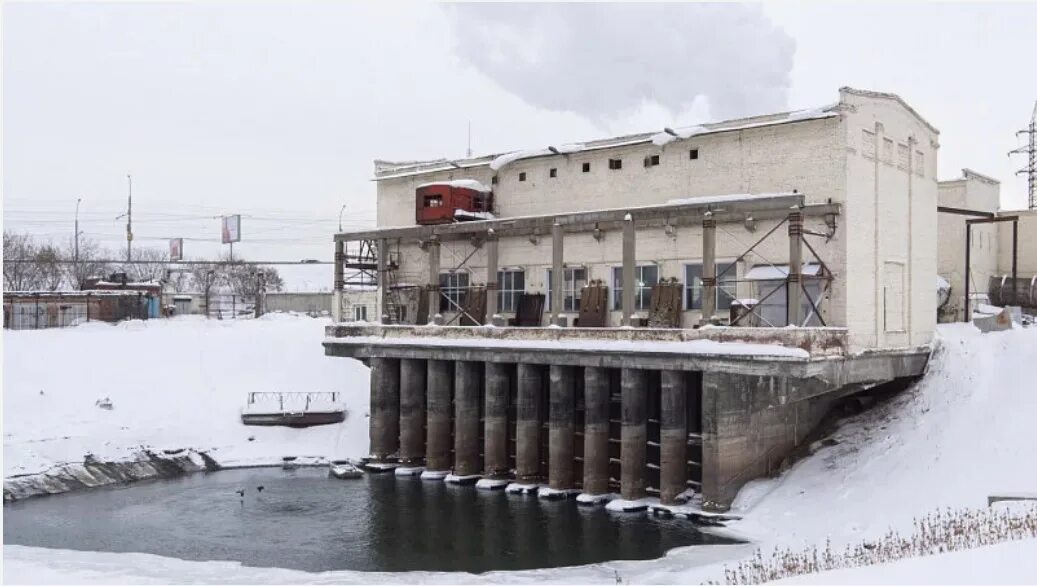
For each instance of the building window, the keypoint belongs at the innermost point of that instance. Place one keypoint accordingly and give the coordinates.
(887, 150)
(510, 285)
(868, 143)
(553, 173)
(920, 163)
(433, 201)
(615, 164)
(493, 180)
(586, 167)
(651, 160)
(727, 284)
(572, 288)
(522, 176)
(452, 287)
(359, 313)
(646, 275)
(902, 154)
(693, 154)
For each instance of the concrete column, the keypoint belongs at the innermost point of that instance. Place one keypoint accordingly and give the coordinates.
(795, 289)
(412, 412)
(557, 273)
(595, 431)
(709, 267)
(440, 390)
(385, 408)
(495, 434)
(561, 428)
(383, 270)
(491, 277)
(629, 264)
(432, 286)
(673, 436)
(466, 418)
(527, 429)
(339, 284)
(634, 435)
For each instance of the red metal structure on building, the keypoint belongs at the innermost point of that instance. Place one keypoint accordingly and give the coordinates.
(452, 201)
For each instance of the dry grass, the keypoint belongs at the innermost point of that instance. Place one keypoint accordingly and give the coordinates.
(939, 532)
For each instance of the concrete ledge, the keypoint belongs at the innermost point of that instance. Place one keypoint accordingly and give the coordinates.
(520, 488)
(409, 470)
(466, 480)
(434, 474)
(491, 483)
(815, 342)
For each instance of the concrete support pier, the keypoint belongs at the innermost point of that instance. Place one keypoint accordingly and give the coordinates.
(595, 435)
(385, 410)
(527, 428)
(495, 433)
(467, 380)
(673, 437)
(561, 432)
(412, 414)
(440, 382)
(634, 435)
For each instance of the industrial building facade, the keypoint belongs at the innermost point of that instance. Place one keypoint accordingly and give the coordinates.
(865, 168)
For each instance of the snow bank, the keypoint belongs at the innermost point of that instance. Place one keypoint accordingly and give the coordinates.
(466, 183)
(174, 384)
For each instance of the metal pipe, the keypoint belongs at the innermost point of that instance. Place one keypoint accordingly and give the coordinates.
(968, 254)
(795, 286)
(491, 277)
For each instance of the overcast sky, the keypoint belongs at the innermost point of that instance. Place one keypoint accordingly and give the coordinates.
(277, 110)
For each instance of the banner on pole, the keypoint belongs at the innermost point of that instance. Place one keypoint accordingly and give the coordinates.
(231, 229)
(176, 249)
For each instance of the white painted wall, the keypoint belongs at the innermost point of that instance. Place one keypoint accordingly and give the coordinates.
(883, 252)
(975, 192)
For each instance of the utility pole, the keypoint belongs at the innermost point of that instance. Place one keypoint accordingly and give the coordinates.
(77, 273)
(129, 221)
(340, 217)
(1030, 150)
(468, 153)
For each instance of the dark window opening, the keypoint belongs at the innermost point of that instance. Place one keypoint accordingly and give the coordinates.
(615, 164)
(553, 172)
(693, 154)
(493, 180)
(586, 167)
(433, 201)
(651, 161)
(522, 176)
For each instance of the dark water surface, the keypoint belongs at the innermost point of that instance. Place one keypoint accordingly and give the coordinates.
(304, 520)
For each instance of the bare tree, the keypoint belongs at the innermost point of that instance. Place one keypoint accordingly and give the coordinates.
(90, 262)
(50, 272)
(146, 271)
(249, 280)
(205, 277)
(19, 276)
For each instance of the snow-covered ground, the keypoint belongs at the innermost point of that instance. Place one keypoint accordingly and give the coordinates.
(173, 384)
(965, 432)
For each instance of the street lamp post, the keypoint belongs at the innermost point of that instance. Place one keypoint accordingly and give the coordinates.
(340, 217)
(76, 253)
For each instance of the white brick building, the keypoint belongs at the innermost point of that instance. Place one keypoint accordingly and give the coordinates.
(870, 155)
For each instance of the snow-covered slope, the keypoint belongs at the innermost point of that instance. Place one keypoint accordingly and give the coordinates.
(966, 431)
(173, 384)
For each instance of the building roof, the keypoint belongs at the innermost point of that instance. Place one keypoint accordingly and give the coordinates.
(392, 170)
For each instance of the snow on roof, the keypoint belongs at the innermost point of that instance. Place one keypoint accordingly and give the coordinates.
(466, 183)
(777, 272)
(459, 213)
(506, 158)
(389, 170)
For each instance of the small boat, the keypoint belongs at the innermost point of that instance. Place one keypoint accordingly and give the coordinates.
(344, 469)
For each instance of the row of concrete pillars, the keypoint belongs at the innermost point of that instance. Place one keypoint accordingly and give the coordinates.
(485, 419)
